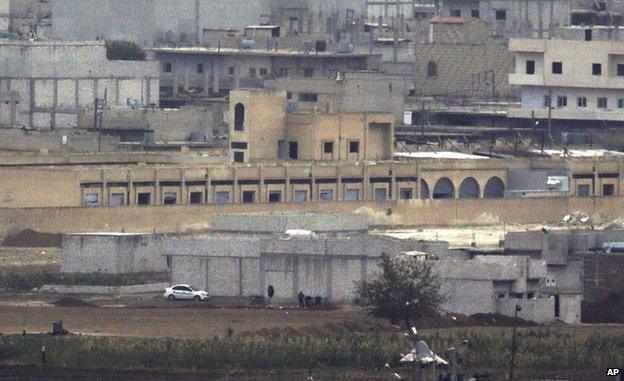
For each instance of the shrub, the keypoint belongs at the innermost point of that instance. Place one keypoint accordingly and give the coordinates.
(124, 50)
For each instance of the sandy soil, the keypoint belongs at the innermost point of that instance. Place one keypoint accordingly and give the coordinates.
(29, 259)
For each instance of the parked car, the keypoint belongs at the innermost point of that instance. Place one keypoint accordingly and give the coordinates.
(185, 291)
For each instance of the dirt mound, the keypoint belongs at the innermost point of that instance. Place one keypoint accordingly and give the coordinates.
(72, 302)
(32, 238)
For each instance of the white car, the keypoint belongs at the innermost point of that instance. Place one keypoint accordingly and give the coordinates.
(185, 291)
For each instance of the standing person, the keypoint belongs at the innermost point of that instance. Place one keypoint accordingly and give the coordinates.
(270, 293)
(301, 298)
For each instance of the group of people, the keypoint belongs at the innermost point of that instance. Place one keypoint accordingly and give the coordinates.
(305, 301)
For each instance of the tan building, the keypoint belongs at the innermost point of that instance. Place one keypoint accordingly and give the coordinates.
(571, 80)
(261, 128)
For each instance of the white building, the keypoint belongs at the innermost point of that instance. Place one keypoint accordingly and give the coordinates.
(570, 80)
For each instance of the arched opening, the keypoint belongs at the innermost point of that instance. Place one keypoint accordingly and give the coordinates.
(432, 69)
(239, 117)
(424, 190)
(444, 189)
(494, 188)
(469, 188)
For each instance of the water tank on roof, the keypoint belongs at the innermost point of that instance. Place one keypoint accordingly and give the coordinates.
(248, 43)
(197, 137)
(344, 47)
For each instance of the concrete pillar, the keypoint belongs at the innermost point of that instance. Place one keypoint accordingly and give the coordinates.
(207, 71)
(237, 73)
(551, 25)
(175, 78)
(215, 77)
(54, 103)
(540, 21)
(186, 83)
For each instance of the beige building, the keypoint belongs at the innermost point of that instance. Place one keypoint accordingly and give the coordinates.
(261, 128)
(572, 80)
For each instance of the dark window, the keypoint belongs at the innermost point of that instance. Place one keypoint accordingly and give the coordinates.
(326, 195)
(263, 71)
(581, 102)
(293, 150)
(530, 67)
(620, 103)
(455, 12)
(144, 198)
(223, 197)
(238, 145)
(474, 13)
(501, 14)
(620, 70)
(562, 101)
(354, 147)
(596, 69)
(118, 199)
(197, 197)
(546, 101)
(380, 194)
(406, 194)
(588, 34)
(288, 95)
(239, 117)
(200, 68)
(249, 196)
(308, 72)
(328, 147)
(275, 196)
(168, 67)
(170, 198)
(432, 69)
(557, 68)
(282, 72)
(239, 157)
(608, 190)
(602, 102)
(92, 199)
(582, 190)
(308, 97)
(252, 71)
(231, 70)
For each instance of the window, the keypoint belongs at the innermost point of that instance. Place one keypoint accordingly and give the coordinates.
(352, 195)
(596, 69)
(620, 70)
(239, 157)
(455, 12)
(328, 147)
(223, 198)
(293, 150)
(263, 71)
(546, 101)
(608, 189)
(252, 71)
(432, 69)
(300, 196)
(380, 194)
(168, 67)
(308, 72)
(406, 194)
(282, 72)
(562, 101)
(474, 13)
(238, 145)
(196, 197)
(308, 97)
(249, 197)
(581, 102)
(326, 195)
(557, 68)
(231, 70)
(530, 67)
(620, 103)
(288, 95)
(582, 190)
(501, 14)
(92, 199)
(117, 199)
(354, 146)
(239, 117)
(588, 34)
(200, 68)
(170, 198)
(602, 102)
(275, 196)
(144, 198)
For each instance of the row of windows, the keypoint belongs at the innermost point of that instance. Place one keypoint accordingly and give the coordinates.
(308, 72)
(247, 196)
(557, 68)
(584, 190)
(293, 149)
(500, 14)
(581, 102)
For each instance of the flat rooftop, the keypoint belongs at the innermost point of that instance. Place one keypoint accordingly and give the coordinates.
(202, 50)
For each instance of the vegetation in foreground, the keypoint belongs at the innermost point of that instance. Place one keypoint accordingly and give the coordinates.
(540, 350)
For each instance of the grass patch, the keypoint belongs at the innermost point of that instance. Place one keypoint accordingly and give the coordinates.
(14, 281)
(540, 350)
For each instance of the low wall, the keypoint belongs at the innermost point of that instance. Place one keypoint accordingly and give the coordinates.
(134, 289)
(188, 218)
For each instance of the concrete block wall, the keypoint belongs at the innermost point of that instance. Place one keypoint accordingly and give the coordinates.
(279, 223)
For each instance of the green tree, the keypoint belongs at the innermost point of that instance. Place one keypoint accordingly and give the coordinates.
(404, 289)
(124, 50)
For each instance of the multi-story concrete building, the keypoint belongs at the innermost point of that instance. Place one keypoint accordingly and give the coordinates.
(51, 81)
(26, 17)
(569, 80)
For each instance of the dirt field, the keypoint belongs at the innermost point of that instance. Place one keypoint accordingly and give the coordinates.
(29, 259)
